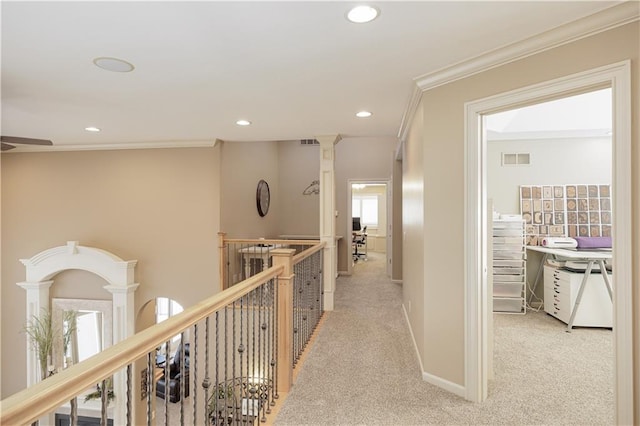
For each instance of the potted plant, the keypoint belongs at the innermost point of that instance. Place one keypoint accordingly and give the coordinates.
(97, 394)
(42, 334)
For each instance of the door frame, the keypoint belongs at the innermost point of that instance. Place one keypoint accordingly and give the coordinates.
(618, 77)
(389, 211)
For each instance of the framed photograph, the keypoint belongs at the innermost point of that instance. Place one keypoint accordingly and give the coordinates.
(583, 231)
(526, 206)
(593, 191)
(605, 191)
(547, 205)
(583, 217)
(594, 218)
(556, 230)
(583, 206)
(605, 204)
(605, 217)
(527, 217)
(547, 192)
(558, 192)
(544, 229)
(572, 192)
(548, 218)
(537, 218)
(582, 191)
(558, 204)
(595, 231)
(573, 231)
(537, 206)
(572, 205)
(525, 192)
(572, 218)
(606, 230)
(536, 192)
(594, 204)
(558, 218)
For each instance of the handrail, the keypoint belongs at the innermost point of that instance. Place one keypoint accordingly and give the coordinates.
(270, 241)
(308, 252)
(30, 404)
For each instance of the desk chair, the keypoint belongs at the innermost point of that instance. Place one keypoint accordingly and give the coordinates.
(360, 240)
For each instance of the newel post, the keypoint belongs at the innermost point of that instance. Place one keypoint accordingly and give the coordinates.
(285, 318)
(223, 260)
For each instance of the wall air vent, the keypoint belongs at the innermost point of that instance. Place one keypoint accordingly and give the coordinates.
(516, 159)
(307, 142)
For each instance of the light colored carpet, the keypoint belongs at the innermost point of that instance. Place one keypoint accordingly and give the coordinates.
(363, 370)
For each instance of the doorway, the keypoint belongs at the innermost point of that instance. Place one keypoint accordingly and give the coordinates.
(369, 222)
(616, 76)
(538, 158)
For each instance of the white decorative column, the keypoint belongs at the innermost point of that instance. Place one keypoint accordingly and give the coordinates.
(119, 275)
(37, 301)
(328, 214)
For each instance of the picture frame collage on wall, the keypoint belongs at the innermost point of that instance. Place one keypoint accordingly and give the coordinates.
(565, 210)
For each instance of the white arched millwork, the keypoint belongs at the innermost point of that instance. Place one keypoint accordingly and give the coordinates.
(118, 273)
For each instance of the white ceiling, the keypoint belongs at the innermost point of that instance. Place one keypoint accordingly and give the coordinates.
(585, 115)
(295, 69)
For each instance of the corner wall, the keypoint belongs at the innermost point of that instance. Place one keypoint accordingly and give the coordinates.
(159, 206)
(443, 166)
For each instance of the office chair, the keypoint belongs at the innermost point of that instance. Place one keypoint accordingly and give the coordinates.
(360, 240)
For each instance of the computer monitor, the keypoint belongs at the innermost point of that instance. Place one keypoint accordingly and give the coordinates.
(356, 224)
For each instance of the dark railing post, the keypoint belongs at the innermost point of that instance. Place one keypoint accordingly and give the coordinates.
(284, 257)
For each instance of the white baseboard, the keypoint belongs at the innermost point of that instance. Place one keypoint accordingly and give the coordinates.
(413, 339)
(454, 388)
(430, 378)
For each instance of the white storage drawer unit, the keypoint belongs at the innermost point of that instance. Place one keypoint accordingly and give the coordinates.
(561, 290)
(509, 262)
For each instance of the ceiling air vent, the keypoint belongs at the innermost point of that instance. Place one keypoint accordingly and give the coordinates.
(306, 142)
(516, 159)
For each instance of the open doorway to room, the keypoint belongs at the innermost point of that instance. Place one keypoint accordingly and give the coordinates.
(368, 224)
(478, 222)
(549, 169)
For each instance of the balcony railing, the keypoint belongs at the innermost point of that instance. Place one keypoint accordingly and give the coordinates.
(235, 355)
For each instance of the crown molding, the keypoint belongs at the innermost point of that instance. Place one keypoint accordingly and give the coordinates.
(115, 146)
(607, 19)
(409, 112)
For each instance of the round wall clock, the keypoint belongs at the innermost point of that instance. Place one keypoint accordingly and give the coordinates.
(263, 197)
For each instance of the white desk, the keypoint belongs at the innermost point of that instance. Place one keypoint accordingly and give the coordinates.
(256, 252)
(591, 256)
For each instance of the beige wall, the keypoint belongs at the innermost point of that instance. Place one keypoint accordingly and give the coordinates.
(243, 165)
(443, 199)
(358, 158)
(299, 166)
(413, 205)
(157, 206)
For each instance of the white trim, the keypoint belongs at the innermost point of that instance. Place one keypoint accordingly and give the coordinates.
(618, 76)
(593, 24)
(430, 378)
(590, 25)
(115, 146)
(413, 339)
(454, 388)
(408, 115)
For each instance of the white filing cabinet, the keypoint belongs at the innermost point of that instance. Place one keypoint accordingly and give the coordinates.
(561, 290)
(509, 266)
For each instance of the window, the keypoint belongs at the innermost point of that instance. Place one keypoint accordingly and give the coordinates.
(166, 308)
(365, 207)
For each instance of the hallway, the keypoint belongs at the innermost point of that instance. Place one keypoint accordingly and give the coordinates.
(363, 369)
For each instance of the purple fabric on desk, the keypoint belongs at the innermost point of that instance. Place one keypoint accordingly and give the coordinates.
(593, 242)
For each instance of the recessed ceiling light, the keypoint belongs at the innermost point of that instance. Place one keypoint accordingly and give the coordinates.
(363, 114)
(362, 14)
(113, 64)
(92, 129)
(243, 122)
